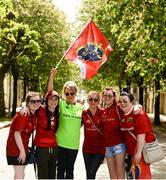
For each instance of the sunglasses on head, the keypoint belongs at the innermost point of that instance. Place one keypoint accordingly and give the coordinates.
(93, 99)
(108, 95)
(35, 101)
(67, 94)
(123, 101)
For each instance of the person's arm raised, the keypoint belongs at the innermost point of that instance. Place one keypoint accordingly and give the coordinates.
(51, 79)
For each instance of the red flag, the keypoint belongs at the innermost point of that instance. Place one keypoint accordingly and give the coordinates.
(89, 51)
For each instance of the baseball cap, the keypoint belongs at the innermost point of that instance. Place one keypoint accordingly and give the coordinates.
(52, 94)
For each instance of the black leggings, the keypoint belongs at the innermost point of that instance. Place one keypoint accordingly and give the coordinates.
(66, 160)
(92, 163)
(46, 162)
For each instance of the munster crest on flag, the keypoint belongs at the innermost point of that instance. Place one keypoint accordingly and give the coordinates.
(89, 51)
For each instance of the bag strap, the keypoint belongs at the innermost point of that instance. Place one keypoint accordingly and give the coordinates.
(132, 135)
(118, 113)
(32, 129)
(94, 124)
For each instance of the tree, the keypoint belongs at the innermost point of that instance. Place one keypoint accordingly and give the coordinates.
(137, 34)
(13, 45)
(44, 17)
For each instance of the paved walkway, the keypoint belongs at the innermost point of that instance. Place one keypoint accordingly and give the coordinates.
(6, 172)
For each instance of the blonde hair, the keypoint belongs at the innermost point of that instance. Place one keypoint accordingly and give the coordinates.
(94, 92)
(70, 85)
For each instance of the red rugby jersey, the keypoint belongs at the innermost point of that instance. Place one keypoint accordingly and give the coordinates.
(137, 124)
(22, 124)
(93, 140)
(44, 137)
(112, 134)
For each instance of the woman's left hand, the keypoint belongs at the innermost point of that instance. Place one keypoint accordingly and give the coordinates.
(137, 158)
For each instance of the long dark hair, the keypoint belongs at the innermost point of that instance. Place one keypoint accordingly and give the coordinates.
(55, 114)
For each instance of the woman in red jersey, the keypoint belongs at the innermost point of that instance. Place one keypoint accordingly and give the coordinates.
(45, 139)
(112, 136)
(19, 134)
(93, 146)
(137, 125)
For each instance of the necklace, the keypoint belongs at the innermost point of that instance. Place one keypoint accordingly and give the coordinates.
(52, 119)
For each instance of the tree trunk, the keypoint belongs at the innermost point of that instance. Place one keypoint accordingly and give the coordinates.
(15, 78)
(145, 98)
(157, 103)
(25, 87)
(119, 84)
(2, 102)
(141, 90)
(141, 95)
(128, 82)
(14, 97)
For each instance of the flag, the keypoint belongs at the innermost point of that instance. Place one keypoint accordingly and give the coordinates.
(135, 171)
(89, 51)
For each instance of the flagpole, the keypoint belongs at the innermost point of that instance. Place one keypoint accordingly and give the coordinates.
(60, 61)
(72, 44)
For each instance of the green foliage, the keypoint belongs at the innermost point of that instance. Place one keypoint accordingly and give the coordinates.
(136, 30)
(44, 17)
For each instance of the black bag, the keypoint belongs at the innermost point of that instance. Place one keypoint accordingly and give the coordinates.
(128, 160)
(31, 158)
(31, 155)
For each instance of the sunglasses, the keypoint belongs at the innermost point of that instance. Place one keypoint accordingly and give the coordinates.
(35, 101)
(123, 101)
(93, 99)
(108, 95)
(67, 94)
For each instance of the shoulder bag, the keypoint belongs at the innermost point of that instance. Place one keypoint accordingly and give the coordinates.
(152, 152)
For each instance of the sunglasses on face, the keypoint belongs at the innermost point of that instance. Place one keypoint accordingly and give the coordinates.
(108, 95)
(67, 94)
(35, 101)
(123, 101)
(93, 99)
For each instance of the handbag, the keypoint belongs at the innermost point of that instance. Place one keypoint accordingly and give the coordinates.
(152, 152)
(31, 155)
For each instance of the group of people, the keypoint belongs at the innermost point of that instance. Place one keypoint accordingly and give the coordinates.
(107, 133)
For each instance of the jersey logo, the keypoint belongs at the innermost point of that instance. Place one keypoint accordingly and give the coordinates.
(130, 119)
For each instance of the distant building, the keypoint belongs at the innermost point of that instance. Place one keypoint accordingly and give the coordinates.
(8, 92)
(151, 98)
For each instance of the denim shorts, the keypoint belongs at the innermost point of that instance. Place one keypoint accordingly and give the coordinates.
(113, 150)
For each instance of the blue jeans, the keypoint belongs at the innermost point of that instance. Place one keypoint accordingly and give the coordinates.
(92, 163)
(113, 150)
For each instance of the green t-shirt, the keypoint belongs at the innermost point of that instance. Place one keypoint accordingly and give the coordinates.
(68, 133)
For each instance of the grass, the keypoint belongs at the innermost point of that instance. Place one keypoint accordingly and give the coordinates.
(5, 119)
